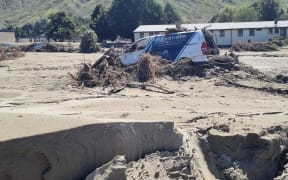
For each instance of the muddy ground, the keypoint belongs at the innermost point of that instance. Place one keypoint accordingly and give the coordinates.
(209, 128)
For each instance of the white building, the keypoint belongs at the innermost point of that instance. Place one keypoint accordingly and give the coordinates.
(7, 37)
(226, 34)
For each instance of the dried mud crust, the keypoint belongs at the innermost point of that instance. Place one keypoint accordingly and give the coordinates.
(108, 71)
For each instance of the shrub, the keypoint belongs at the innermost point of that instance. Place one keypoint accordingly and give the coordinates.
(88, 42)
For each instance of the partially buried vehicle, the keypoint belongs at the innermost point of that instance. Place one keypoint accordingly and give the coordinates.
(195, 45)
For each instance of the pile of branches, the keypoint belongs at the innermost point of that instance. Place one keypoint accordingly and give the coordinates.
(10, 53)
(279, 41)
(272, 45)
(108, 70)
(256, 47)
(105, 71)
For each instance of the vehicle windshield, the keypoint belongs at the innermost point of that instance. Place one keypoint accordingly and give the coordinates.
(138, 46)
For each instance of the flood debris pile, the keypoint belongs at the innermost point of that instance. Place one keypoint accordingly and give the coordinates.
(108, 70)
(272, 45)
(256, 47)
(105, 71)
(281, 78)
(10, 53)
(226, 69)
(145, 69)
(279, 41)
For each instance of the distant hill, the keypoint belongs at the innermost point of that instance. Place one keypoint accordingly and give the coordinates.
(19, 12)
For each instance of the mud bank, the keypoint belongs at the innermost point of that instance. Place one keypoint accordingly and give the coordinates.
(73, 154)
(247, 156)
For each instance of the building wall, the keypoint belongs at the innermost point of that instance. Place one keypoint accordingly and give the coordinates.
(7, 37)
(231, 36)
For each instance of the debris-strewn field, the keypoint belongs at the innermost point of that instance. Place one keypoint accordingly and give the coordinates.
(70, 115)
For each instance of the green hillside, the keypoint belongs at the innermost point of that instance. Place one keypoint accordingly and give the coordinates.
(19, 12)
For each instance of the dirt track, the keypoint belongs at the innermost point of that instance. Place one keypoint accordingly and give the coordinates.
(37, 96)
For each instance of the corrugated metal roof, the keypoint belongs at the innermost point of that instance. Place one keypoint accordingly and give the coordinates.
(215, 26)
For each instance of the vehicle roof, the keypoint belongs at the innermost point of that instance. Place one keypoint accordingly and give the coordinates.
(159, 35)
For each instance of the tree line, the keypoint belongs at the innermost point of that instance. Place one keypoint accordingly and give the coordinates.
(58, 26)
(119, 20)
(261, 10)
(124, 16)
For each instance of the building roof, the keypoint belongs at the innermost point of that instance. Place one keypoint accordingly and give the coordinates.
(215, 26)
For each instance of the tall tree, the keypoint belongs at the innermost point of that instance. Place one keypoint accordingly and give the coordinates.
(227, 14)
(60, 27)
(27, 31)
(98, 12)
(99, 23)
(40, 27)
(125, 15)
(268, 9)
(246, 14)
(171, 15)
(152, 13)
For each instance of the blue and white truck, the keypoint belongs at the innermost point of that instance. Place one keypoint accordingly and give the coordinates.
(172, 47)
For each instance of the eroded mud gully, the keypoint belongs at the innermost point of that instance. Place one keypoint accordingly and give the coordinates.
(147, 151)
(73, 154)
(249, 156)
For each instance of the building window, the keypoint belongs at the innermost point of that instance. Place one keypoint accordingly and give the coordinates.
(276, 30)
(157, 33)
(141, 34)
(151, 33)
(283, 32)
(222, 33)
(240, 32)
(270, 30)
(251, 32)
(258, 29)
